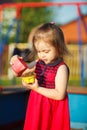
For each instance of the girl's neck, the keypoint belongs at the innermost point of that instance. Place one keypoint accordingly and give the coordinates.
(54, 62)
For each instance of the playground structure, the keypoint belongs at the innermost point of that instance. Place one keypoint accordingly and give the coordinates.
(78, 101)
(19, 6)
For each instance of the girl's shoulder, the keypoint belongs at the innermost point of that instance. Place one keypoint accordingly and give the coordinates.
(64, 65)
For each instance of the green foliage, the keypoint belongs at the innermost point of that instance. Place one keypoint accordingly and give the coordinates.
(30, 18)
(75, 82)
(7, 82)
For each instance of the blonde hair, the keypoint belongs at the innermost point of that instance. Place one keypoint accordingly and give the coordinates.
(53, 35)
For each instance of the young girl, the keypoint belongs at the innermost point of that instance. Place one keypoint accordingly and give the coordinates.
(48, 107)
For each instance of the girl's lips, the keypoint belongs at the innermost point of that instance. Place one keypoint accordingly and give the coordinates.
(44, 60)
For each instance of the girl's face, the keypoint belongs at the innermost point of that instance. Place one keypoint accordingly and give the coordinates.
(46, 52)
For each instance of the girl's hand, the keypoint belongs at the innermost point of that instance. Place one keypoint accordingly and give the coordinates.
(32, 86)
(28, 71)
(12, 60)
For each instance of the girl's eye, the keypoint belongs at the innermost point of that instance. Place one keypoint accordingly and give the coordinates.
(46, 51)
(43, 51)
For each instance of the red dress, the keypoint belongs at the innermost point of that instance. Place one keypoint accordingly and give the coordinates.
(44, 113)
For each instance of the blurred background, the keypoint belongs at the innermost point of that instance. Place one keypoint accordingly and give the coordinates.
(18, 21)
(17, 24)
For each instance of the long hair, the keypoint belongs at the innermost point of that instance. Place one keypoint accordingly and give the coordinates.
(53, 35)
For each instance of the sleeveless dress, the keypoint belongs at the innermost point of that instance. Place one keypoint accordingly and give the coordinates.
(44, 113)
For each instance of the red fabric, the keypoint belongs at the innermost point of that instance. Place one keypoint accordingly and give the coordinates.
(47, 114)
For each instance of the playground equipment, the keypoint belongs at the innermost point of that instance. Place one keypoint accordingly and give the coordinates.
(78, 106)
(19, 6)
(77, 101)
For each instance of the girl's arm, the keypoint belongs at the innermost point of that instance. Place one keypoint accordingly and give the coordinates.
(61, 81)
(29, 69)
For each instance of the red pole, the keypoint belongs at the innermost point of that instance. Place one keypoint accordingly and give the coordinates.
(18, 12)
(40, 4)
(1, 14)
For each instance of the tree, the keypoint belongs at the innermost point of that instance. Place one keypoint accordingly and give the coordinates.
(31, 17)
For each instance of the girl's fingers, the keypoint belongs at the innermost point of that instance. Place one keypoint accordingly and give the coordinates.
(25, 84)
(28, 72)
(13, 58)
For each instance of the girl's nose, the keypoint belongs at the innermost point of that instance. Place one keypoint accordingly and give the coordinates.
(41, 55)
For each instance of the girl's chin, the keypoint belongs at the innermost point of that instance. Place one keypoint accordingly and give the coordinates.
(46, 62)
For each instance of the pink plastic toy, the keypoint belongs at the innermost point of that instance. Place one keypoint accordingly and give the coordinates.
(19, 66)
